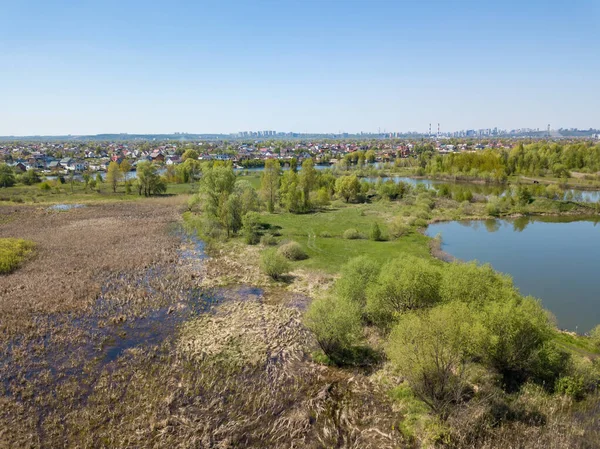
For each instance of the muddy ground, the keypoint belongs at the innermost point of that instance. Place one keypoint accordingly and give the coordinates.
(112, 336)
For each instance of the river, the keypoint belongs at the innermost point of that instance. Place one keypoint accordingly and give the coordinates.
(554, 259)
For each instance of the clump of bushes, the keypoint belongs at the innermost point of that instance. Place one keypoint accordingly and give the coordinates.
(325, 234)
(45, 186)
(12, 253)
(398, 228)
(448, 327)
(273, 264)
(407, 283)
(356, 275)
(352, 234)
(292, 251)
(336, 323)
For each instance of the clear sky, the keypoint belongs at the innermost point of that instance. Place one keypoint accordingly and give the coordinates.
(104, 66)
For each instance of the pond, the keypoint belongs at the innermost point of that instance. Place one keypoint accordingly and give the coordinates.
(590, 196)
(554, 259)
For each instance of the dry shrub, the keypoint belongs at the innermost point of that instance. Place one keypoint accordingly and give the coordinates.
(533, 421)
(293, 251)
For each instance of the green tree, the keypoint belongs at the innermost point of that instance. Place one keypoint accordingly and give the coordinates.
(86, 180)
(7, 176)
(307, 181)
(249, 200)
(347, 188)
(289, 192)
(251, 227)
(269, 183)
(190, 154)
(113, 175)
(216, 184)
(370, 156)
(148, 180)
(189, 170)
(322, 197)
(125, 167)
(30, 177)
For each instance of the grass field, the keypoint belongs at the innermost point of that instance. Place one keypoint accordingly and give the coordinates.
(331, 252)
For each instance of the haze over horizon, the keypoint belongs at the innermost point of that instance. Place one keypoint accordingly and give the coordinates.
(222, 67)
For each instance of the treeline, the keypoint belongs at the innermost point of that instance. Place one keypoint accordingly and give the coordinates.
(225, 200)
(536, 159)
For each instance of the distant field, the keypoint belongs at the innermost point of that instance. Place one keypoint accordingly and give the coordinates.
(79, 194)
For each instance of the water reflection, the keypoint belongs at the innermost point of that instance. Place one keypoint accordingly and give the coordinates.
(553, 258)
(492, 225)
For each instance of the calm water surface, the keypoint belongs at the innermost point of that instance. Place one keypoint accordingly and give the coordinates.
(557, 261)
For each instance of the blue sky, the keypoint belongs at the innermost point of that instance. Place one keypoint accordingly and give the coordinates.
(86, 67)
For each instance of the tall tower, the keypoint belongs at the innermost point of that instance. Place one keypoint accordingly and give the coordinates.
(548, 129)
(429, 129)
(438, 134)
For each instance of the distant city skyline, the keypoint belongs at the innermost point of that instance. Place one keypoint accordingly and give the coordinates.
(268, 134)
(312, 66)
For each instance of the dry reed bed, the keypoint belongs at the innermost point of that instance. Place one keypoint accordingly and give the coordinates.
(91, 355)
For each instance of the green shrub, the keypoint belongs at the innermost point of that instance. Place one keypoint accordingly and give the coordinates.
(356, 276)
(352, 234)
(274, 264)
(513, 336)
(406, 283)
(336, 323)
(375, 233)
(397, 229)
(12, 253)
(595, 336)
(268, 240)
(293, 251)
(45, 186)
(572, 386)
(325, 234)
(430, 350)
(493, 206)
(420, 223)
(473, 284)
(251, 227)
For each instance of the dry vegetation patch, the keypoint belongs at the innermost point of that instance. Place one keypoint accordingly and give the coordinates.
(95, 350)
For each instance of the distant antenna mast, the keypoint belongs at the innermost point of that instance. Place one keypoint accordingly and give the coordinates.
(429, 130)
(438, 130)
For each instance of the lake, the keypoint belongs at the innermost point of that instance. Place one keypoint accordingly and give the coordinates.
(554, 259)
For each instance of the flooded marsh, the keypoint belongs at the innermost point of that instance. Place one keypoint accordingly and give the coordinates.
(110, 337)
